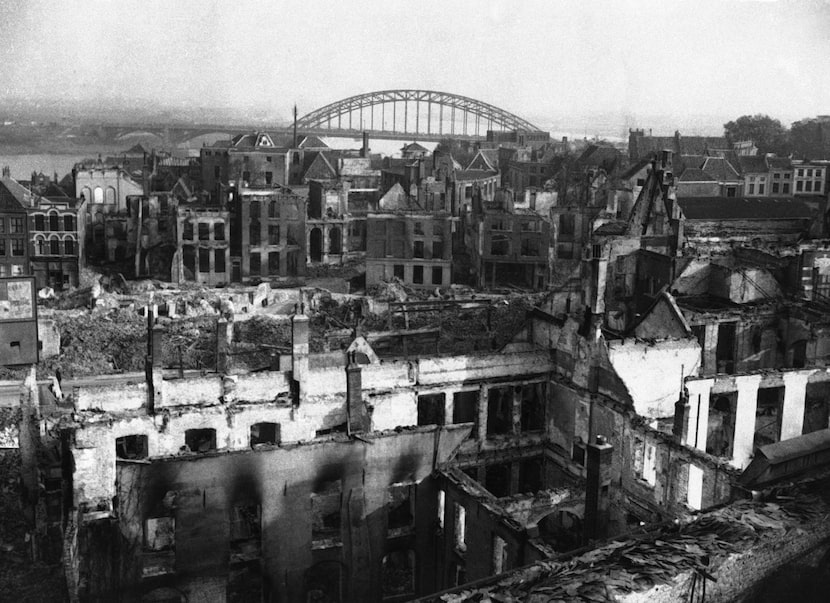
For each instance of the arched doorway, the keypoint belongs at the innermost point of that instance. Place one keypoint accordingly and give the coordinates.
(335, 239)
(316, 245)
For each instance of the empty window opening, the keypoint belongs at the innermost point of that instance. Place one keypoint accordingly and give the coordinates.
(499, 555)
(200, 440)
(530, 475)
(218, 231)
(442, 498)
(398, 573)
(265, 433)
(497, 480)
(460, 527)
(816, 407)
(418, 275)
(204, 231)
(131, 447)
(160, 533)
(437, 275)
(533, 407)
(768, 416)
(465, 409)
(400, 507)
(245, 523)
(499, 410)
(256, 264)
(431, 409)
(325, 512)
(721, 424)
(725, 350)
(204, 260)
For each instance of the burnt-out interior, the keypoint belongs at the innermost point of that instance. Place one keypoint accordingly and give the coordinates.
(499, 410)
(465, 409)
(431, 409)
(200, 440)
(497, 479)
(721, 426)
(768, 416)
(816, 404)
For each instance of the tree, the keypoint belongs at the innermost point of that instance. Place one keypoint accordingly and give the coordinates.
(768, 134)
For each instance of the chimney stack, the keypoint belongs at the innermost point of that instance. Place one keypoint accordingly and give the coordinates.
(295, 127)
(364, 150)
(598, 484)
(299, 351)
(356, 411)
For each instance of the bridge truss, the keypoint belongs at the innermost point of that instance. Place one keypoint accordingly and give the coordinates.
(424, 113)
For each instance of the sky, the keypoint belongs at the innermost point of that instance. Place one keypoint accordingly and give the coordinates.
(548, 61)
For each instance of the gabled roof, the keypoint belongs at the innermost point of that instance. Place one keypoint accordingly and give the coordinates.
(320, 168)
(485, 159)
(13, 196)
(720, 169)
(720, 208)
(395, 198)
(252, 140)
(312, 142)
(414, 147)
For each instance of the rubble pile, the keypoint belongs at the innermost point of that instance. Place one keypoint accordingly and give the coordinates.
(641, 562)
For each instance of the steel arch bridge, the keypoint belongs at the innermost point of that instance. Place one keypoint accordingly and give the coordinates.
(424, 113)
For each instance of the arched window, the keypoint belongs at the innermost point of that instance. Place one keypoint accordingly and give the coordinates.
(69, 223)
(69, 246)
(54, 246)
(99, 195)
(54, 221)
(40, 246)
(110, 195)
(40, 222)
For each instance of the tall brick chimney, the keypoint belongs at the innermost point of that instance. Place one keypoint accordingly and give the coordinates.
(598, 466)
(357, 414)
(364, 149)
(299, 352)
(680, 429)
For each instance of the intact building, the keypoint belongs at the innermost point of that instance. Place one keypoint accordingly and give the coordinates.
(14, 227)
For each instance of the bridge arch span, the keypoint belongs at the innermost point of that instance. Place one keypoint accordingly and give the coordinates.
(412, 112)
